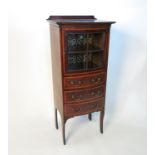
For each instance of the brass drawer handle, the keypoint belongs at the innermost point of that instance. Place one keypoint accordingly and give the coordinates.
(75, 82)
(99, 79)
(92, 80)
(92, 93)
(99, 92)
(73, 96)
(80, 96)
(96, 80)
(72, 82)
(79, 82)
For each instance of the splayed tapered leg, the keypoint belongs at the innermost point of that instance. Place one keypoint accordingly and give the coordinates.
(101, 120)
(90, 116)
(63, 132)
(56, 119)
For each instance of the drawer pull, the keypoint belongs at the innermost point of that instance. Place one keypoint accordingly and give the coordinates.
(79, 82)
(92, 93)
(96, 80)
(99, 79)
(93, 80)
(80, 96)
(99, 92)
(73, 96)
(72, 82)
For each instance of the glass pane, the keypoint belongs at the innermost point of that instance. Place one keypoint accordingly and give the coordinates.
(77, 42)
(95, 60)
(76, 62)
(84, 50)
(96, 41)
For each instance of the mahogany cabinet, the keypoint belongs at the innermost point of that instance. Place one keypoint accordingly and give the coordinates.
(79, 51)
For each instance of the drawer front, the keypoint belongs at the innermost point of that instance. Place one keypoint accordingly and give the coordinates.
(84, 108)
(84, 95)
(84, 81)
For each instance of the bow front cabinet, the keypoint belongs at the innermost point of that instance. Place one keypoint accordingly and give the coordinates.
(79, 51)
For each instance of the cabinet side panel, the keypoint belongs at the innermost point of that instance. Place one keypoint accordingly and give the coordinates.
(56, 67)
(106, 57)
(107, 48)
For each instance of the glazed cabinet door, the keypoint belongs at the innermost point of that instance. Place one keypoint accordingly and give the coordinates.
(84, 50)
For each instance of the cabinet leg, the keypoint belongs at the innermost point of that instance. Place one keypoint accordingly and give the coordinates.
(90, 116)
(56, 119)
(101, 120)
(63, 132)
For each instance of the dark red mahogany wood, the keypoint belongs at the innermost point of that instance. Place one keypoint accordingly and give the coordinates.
(71, 17)
(79, 92)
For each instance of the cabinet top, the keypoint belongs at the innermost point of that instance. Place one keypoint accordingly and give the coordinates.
(67, 20)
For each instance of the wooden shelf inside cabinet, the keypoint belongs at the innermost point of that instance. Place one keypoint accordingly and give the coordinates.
(79, 52)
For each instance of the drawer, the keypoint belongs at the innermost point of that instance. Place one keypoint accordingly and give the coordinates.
(84, 95)
(84, 108)
(84, 81)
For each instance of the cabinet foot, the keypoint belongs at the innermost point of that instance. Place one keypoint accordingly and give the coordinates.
(101, 120)
(56, 119)
(90, 116)
(63, 132)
